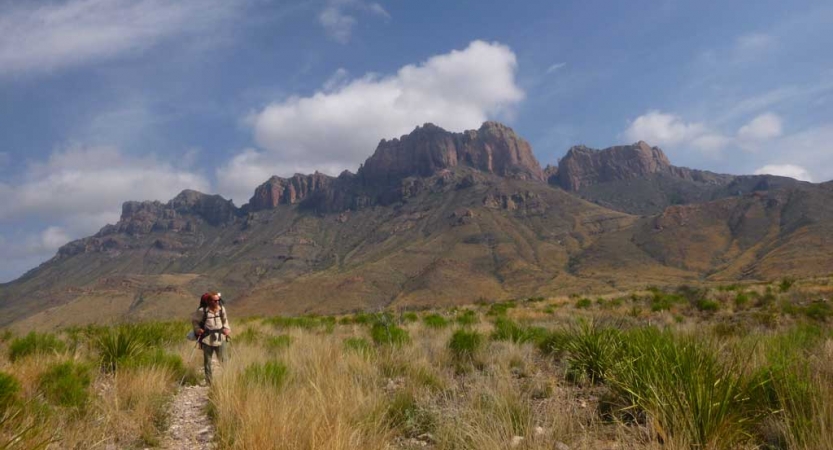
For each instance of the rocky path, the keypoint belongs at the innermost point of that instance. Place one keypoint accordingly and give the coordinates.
(190, 428)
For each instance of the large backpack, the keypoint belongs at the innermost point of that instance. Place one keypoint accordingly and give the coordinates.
(204, 305)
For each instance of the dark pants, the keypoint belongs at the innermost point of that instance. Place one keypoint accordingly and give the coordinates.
(207, 352)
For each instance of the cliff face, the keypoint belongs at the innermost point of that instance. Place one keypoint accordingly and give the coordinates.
(493, 148)
(288, 191)
(583, 166)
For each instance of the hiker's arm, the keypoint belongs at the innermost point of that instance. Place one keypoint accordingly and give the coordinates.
(196, 318)
(226, 328)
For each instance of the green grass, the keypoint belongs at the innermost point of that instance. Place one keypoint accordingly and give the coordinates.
(464, 345)
(66, 384)
(270, 373)
(117, 346)
(35, 343)
(435, 321)
(508, 330)
(389, 334)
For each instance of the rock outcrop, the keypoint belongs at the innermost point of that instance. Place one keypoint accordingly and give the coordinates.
(289, 191)
(493, 148)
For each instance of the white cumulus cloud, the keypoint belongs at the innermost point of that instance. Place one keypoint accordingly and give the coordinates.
(39, 37)
(339, 126)
(663, 129)
(785, 170)
(763, 127)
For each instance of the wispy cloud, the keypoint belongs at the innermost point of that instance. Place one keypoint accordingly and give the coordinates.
(555, 67)
(36, 37)
(785, 170)
(338, 17)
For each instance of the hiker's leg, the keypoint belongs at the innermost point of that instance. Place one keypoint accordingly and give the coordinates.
(221, 352)
(207, 351)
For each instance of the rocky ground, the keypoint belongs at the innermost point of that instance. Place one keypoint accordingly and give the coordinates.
(190, 428)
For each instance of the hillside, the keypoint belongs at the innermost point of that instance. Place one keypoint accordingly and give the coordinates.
(433, 218)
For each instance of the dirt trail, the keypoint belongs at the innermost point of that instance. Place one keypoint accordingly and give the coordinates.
(190, 428)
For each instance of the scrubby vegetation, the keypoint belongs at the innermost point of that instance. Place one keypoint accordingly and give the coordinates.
(737, 366)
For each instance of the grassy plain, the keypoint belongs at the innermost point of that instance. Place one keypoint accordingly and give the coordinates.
(726, 366)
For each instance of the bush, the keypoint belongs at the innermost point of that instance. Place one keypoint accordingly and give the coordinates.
(388, 334)
(409, 317)
(9, 388)
(706, 305)
(584, 303)
(785, 284)
(507, 330)
(66, 384)
(35, 343)
(435, 321)
(162, 359)
(281, 341)
(117, 346)
(357, 344)
(741, 300)
(467, 317)
(464, 345)
(819, 311)
(248, 336)
(592, 351)
(554, 344)
(685, 387)
(271, 373)
(408, 417)
(500, 308)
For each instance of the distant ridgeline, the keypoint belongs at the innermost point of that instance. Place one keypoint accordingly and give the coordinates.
(436, 218)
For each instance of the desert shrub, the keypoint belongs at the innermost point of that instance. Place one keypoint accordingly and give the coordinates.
(248, 336)
(281, 341)
(9, 388)
(117, 346)
(706, 305)
(500, 308)
(785, 284)
(787, 381)
(159, 358)
(66, 384)
(464, 344)
(407, 416)
(357, 344)
(767, 299)
(508, 330)
(270, 373)
(157, 334)
(388, 334)
(467, 317)
(661, 301)
(6, 335)
(684, 386)
(302, 322)
(741, 299)
(554, 343)
(591, 351)
(35, 343)
(584, 303)
(435, 321)
(819, 311)
(409, 317)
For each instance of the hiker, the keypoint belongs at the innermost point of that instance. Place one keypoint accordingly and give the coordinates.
(212, 330)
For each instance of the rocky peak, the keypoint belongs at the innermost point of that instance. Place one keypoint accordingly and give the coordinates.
(288, 191)
(583, 166)
(493, 148)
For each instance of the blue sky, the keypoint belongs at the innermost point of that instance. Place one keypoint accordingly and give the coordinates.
(103, 101)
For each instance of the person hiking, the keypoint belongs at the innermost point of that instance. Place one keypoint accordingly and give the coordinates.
(212, 329)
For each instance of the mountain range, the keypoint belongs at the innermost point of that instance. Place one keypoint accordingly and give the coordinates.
(435, 218)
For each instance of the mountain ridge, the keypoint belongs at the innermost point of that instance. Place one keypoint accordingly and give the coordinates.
(432, 218)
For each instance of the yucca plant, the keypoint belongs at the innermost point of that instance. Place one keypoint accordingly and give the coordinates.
(687, 393)
(118, 345)
(592, 350)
